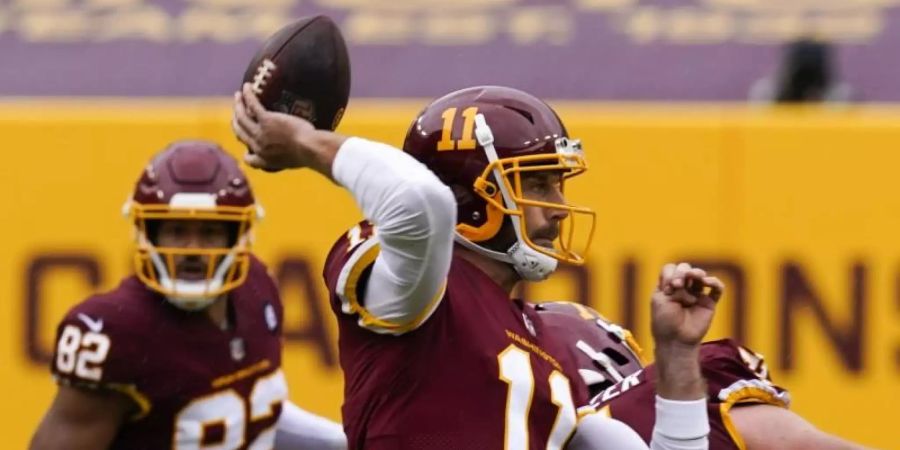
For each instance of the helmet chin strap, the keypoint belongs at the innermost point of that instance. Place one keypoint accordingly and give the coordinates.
(530, 264)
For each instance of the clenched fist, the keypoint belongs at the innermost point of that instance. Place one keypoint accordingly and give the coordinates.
(682, 311)
(683, 304)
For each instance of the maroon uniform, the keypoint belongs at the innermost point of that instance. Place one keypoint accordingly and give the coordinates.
(478, 373)
(194, 385)
(734, 376)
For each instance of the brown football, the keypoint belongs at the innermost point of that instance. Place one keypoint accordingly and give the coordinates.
(303, 69)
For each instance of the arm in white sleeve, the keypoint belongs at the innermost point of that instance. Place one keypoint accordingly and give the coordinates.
(300, 430)
(680, 425)
(599, 432)
(414, 215)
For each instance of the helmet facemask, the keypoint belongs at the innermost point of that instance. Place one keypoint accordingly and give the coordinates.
(500, 185)
(225, 267)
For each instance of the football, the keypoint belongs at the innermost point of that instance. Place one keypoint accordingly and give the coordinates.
(304, 70)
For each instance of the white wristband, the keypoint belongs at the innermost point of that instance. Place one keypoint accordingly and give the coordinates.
(682, 420)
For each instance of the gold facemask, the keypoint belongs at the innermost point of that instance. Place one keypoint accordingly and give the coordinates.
(570, 161)
(226, 268)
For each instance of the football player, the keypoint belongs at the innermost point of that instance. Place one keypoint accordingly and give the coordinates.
(435, 353)
(186, 353)
(746, 410)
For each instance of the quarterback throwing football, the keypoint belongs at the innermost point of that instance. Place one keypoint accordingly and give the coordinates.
(435, 353)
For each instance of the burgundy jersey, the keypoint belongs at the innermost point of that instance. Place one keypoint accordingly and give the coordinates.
(734, 376)
(194, 384)
(478, 373)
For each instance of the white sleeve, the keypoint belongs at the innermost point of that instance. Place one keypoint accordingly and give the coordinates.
(680, 425)
(300, 430)
(599, 432)
(414, 215)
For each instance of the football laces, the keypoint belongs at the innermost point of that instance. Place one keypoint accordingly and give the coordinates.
(263, 74)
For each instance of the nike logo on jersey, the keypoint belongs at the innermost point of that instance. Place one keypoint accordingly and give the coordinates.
(94, 325)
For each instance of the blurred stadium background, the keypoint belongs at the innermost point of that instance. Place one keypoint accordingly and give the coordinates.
(797, 207)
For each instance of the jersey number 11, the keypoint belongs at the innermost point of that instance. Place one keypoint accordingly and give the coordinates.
(515, 370)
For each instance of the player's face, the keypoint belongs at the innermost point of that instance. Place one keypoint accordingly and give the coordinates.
(543, 223)
(192, 234)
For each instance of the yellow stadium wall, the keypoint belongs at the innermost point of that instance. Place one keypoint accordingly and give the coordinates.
(797, 210)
